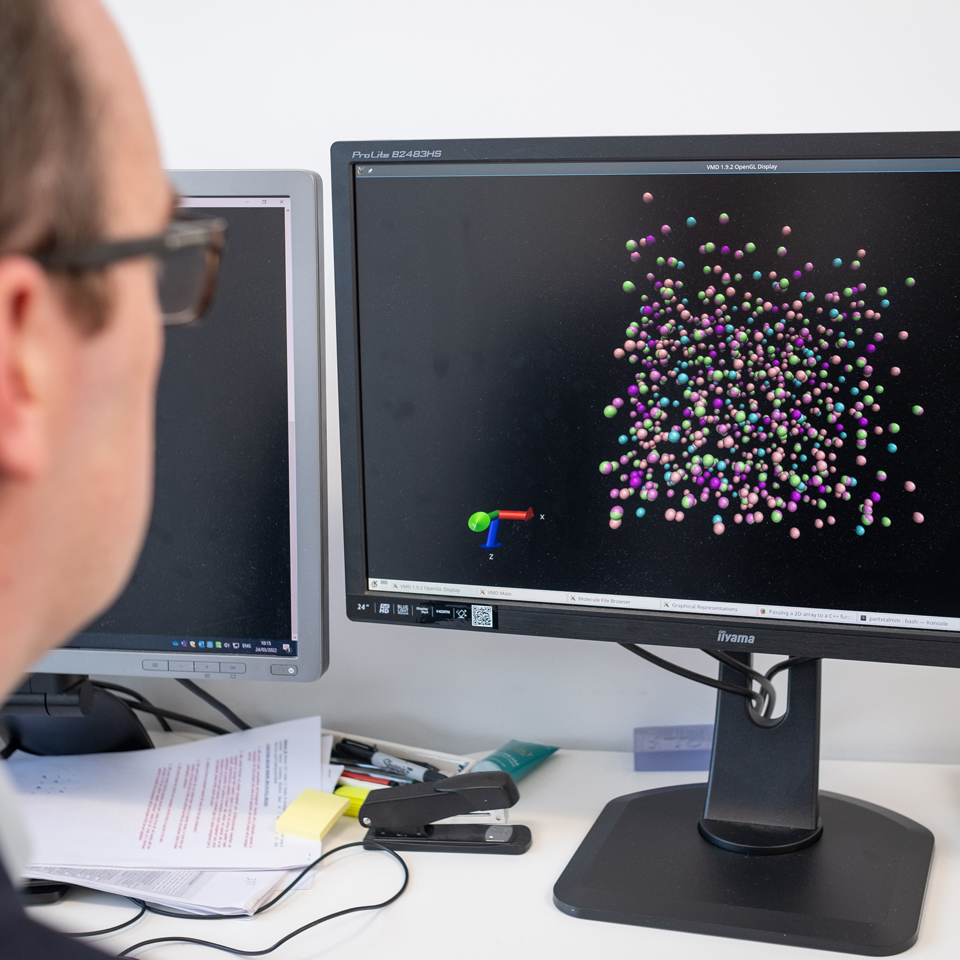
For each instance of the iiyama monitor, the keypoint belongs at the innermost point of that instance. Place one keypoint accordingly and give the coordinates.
(232, 578)
(692, 391)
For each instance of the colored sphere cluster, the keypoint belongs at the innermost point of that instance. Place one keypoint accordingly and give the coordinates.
(750, 401)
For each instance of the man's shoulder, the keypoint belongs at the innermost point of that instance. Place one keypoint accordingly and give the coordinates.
(21, 937)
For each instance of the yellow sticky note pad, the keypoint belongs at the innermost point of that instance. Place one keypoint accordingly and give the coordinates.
(354, 797)
(311, 815)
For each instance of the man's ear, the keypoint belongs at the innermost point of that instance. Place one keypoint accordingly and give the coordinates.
(26, 302)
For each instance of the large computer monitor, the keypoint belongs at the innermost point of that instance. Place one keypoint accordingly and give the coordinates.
(232, 579)
(694, 391)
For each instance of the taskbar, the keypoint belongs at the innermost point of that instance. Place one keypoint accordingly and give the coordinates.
(491, 595)
(164, 643)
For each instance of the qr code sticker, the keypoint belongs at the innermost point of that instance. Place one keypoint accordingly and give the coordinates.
(482, 616)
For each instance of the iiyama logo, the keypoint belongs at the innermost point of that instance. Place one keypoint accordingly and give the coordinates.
(724, 637)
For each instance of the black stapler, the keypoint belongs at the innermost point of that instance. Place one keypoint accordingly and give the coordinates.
(402, 818)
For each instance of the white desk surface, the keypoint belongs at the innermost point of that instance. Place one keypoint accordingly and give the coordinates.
(479, 906)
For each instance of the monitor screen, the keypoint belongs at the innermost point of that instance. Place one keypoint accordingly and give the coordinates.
(217, 586)
(711, 392)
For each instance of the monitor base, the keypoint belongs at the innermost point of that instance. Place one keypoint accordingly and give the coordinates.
(858, 889)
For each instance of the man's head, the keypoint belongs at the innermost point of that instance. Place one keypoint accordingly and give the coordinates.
(79, 354)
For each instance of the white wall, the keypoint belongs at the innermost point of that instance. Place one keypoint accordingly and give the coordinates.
(272, 83)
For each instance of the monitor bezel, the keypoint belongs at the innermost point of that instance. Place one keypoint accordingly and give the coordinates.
(885, 644)
(305, 190)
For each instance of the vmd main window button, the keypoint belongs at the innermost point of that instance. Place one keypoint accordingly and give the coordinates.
(206, 666)
(283, 669)
(233, 667)
(182, 666)
(154, 664)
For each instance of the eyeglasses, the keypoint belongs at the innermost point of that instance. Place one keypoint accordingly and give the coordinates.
(188, 263)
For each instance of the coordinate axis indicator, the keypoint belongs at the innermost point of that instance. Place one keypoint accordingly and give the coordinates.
(481, 521)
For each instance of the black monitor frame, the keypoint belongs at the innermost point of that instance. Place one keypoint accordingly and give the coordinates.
(886, 644)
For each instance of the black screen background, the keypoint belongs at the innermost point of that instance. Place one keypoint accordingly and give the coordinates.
(216, 562)
(489, 308)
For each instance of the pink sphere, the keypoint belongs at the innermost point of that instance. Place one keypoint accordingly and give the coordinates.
(648, 198)
(718, 528)
(794, 532)
(615, 524)
(909, 486)
(918, 518)
(671, 514)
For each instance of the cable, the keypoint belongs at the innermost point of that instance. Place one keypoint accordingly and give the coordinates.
(171, 715)
(697, 677)
(762, 717)
(210, 699)
(787, 664)
(119, 926)
(289, 936)
(103, 685)
(760, 705)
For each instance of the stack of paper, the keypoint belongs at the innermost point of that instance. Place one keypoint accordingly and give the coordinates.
(189, 826)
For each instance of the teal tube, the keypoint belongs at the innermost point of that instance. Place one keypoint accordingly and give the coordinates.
(516, 757)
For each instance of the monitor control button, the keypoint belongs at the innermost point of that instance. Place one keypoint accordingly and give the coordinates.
(283, 669)
(206, 666)
(154, 664)
(233, 667)
(182, 666)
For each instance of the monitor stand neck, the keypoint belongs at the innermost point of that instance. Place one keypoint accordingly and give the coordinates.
(763, 793)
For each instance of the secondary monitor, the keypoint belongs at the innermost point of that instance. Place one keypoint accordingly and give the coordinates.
(693, 391)
(232, 578)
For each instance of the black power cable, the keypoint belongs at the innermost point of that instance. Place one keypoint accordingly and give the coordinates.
(161, 713)
(697, 677)
(212, 701)
(307, 926)
(764, 717)
(119, 926)
(760, 705)
(139, 697)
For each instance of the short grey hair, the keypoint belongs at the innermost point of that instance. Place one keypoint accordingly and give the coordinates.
(50, 178)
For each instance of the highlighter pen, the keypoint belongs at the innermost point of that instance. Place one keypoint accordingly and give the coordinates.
(368, 753)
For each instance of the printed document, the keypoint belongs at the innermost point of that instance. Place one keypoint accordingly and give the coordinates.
(208, 805)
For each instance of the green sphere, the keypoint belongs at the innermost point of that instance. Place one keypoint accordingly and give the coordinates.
(632, 246)
(710, 247)
(882, 291)
(629, 286)
(609, 410)
(750, 247)
(910, 281)
(479, 522)
(885, 521)
(916, 411)
(894, 427)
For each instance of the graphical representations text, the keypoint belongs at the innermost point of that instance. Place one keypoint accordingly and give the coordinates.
(757, 385)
